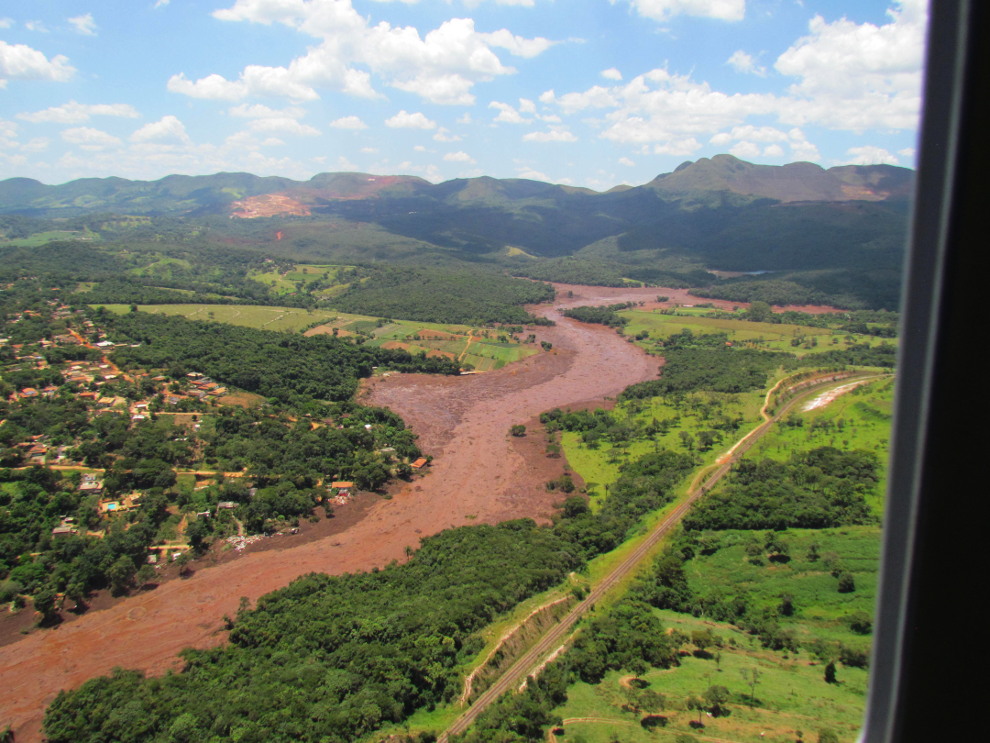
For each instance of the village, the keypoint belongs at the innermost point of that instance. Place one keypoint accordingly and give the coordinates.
(142, 456)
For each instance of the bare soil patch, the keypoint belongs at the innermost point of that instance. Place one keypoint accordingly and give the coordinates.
(480, 474)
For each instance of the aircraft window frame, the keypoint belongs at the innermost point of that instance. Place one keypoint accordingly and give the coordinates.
(936, 441)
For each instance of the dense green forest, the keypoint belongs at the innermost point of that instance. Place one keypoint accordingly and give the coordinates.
(285, 367)
(332, 658)
(606, 315)
(708, 361)
(445, 296)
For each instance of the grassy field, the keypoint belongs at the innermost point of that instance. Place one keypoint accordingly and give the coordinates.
(792, 699)
(859, 419)
(43, 238)
(162, 267)
(483, 348)
(292, 319)
(796, 339)
(598, 463)
(301, 277)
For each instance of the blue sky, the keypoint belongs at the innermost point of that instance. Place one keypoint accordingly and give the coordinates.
(583, 92)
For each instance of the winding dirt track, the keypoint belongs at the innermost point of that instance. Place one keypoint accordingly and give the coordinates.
(479, 474)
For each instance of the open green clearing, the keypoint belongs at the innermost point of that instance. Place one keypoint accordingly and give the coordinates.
(484, 349)
(702, 423)
(796, 339)
(319, 279)
(43, 238)
(292, 319)
(792, 699)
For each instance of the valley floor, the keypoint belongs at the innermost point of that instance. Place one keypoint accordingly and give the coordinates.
(479, 474)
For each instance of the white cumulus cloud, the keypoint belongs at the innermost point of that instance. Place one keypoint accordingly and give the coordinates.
(213, 87)
(743, 62)
(349, 122)
(21, 62)
(869, 155)
(260, 111)
(76, 113)
(664, 10)
(858, 76)
(553, 134)
(458, 157)
(89, 139)
(84, 24)
(507, 114)
(441, 66)
(284, 124)
(166, 130)
(406, 120)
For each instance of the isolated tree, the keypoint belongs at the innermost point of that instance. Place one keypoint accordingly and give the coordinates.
(696, 703)
(121, 573)
(518, 430)
(197, 532)
(847, 584)
(716, 697)
(76, 592)
(45, 602)
(182, 562)
(786, 606)
(759, 312)
(702, 639)
(830, 673)
(707, 439)
(146, 575)
(751, 676)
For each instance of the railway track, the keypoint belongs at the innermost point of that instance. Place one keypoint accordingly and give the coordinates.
(557, 635)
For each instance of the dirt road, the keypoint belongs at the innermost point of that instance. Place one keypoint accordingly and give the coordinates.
(479, 474)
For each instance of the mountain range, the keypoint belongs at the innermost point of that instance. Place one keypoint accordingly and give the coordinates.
(238, 194)
(799, 221)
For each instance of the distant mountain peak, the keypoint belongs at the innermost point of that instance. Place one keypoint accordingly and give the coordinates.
(797, 181)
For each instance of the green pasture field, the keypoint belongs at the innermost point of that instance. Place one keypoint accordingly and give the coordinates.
(43, 238)
(792, 700)
(488, 352)
(861, 418)
(791, 694)
(299, 277)
(598, 464)
(292, 319)
(484, 351)
(767, 336)
(162, 267)
(818, 606)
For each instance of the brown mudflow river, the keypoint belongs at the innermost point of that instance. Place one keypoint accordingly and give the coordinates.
(479, 474)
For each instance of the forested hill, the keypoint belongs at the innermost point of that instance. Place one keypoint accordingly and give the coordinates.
(241, 194)
(835, 233)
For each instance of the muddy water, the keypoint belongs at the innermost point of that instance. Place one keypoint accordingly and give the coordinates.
(479, 474)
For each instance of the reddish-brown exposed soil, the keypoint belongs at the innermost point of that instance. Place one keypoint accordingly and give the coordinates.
(479, 474)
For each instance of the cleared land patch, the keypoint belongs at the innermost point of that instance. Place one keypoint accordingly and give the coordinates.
(484, 349)
(796, 339)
